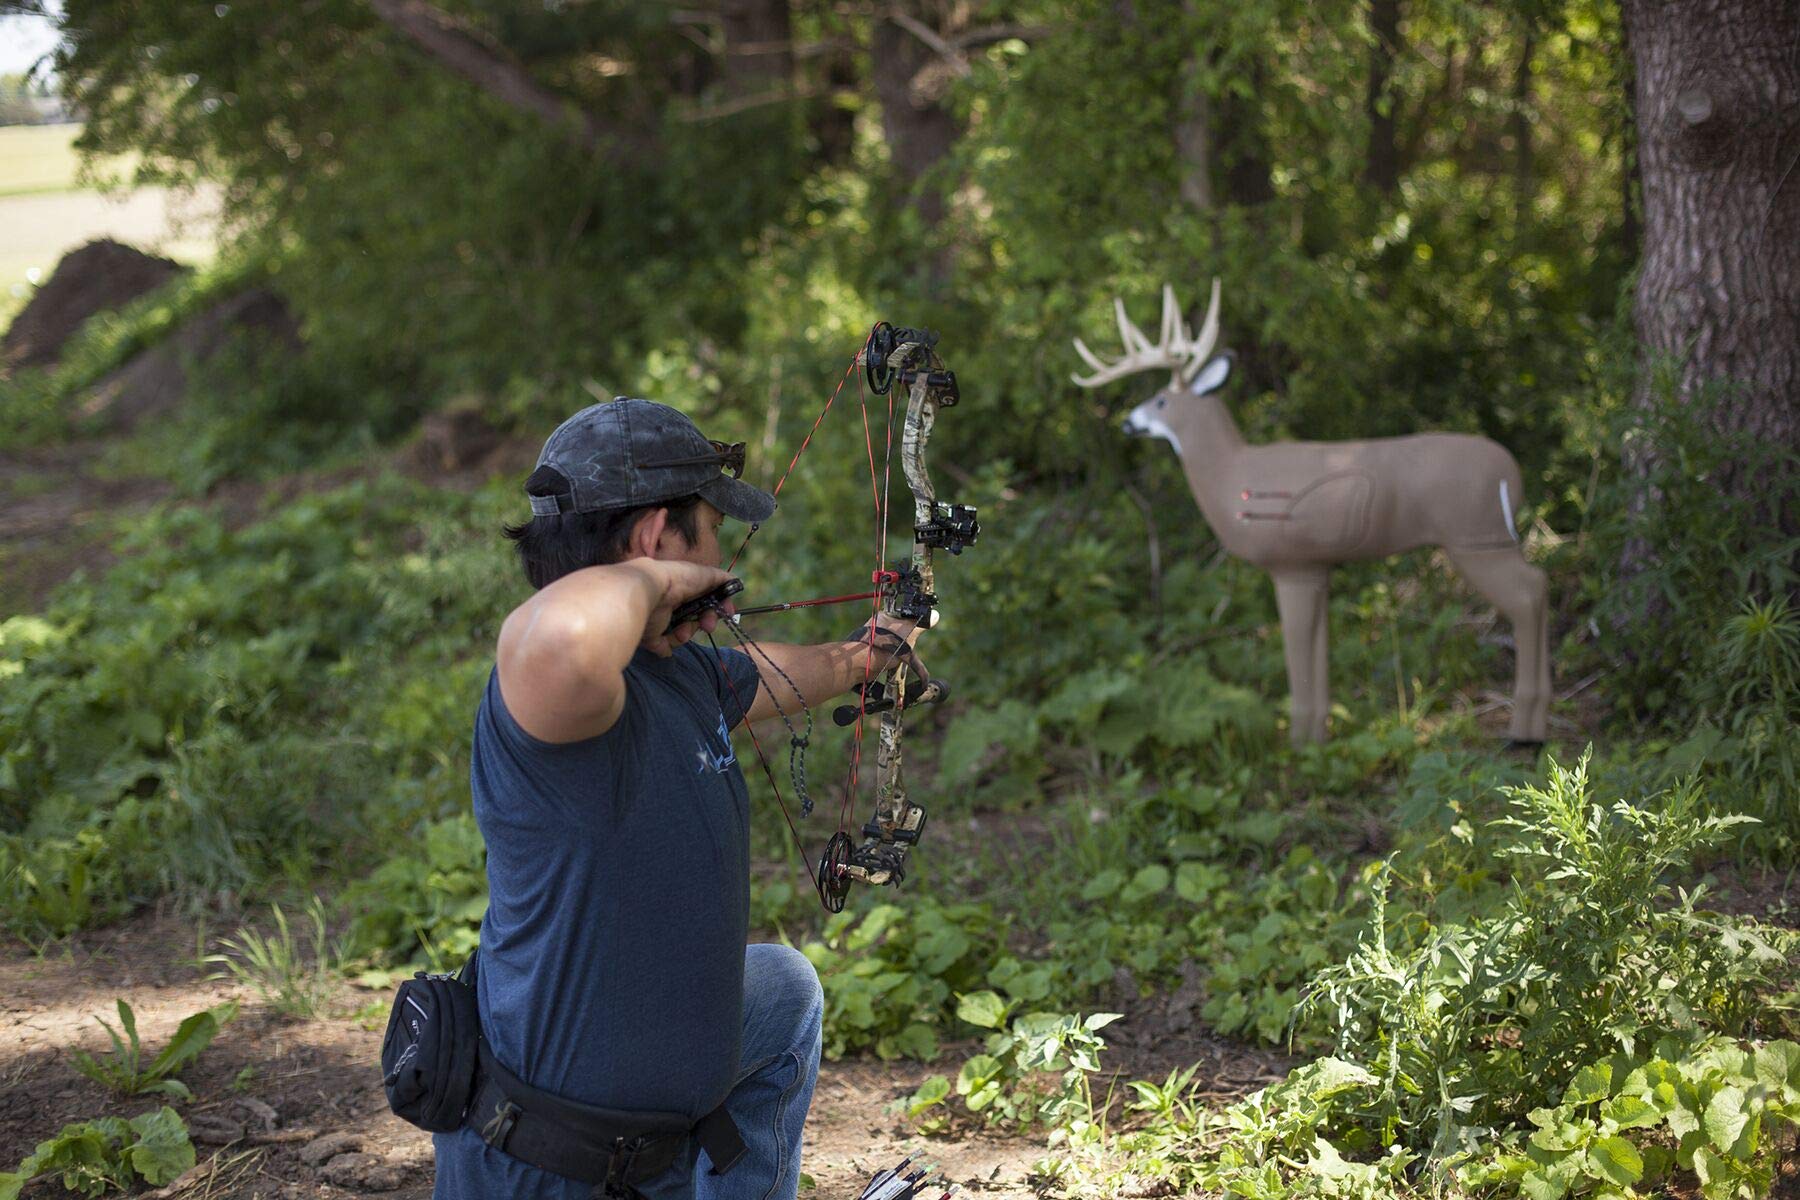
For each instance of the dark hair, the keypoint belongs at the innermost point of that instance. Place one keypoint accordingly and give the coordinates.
(553, 546)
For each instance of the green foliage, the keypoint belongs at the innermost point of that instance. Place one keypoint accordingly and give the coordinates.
(1590, 952)
(1015, 1081)
(1747, 694)
(1577, 1036)
(294, 982)
(427, 231)
(1275, 1143)
(423, 911)
(1725, 1112)
(95, 1157)
(1696, 555)
(891, 974)
(123, 1071)
(162, 725)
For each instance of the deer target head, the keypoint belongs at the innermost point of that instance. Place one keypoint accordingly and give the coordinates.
(1193, 371)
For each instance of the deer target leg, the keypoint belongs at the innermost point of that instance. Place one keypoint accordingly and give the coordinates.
(1522, 593)
(1301, 597)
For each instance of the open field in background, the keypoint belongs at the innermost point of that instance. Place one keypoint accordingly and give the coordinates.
(45, 211)
(38, 158)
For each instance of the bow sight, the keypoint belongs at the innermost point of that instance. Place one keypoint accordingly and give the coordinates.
(952, 527)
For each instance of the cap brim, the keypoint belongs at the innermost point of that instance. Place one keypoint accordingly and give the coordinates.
(738, 500)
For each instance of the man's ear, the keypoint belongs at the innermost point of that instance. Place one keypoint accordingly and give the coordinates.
(647, 535)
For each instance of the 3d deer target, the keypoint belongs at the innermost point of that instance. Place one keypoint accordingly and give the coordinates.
(1296, 509)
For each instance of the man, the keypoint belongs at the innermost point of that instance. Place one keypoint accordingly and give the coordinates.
(613, 966)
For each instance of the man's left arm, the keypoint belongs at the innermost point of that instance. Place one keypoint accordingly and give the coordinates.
(820, 672)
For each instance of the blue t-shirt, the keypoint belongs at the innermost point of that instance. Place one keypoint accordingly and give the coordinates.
(612, 952)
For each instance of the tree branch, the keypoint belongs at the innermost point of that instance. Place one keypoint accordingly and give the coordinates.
(931, 38)
(485, 63)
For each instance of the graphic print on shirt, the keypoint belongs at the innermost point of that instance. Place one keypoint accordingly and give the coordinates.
(717, 763)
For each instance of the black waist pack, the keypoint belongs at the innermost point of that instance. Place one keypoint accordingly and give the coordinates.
(432, 1048)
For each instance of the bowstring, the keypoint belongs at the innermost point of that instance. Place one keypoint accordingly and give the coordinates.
(763, 760)
(797, 744)
(853, 777)
(804, 443)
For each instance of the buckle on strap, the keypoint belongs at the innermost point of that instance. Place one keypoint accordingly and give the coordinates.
(618, 1167)
(499, 1127)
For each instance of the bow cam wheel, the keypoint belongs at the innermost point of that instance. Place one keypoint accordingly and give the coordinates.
(834, 872)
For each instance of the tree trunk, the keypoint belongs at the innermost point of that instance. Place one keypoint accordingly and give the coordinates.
(910, 82)
(759, 51)
(1245, 142)
(1518, 128)
(1193, 136)
(1718, 114)
(1631, 202)
(1381, 164)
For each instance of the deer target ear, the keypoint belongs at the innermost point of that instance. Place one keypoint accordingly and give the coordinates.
(1212, 376)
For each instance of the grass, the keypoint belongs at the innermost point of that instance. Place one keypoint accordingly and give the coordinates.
(38, 158)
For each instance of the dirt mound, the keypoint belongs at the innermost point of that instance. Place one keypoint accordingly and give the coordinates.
(155, 380)
(90, 279)
(457, 441)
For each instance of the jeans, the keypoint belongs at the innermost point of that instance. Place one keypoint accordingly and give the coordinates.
(784, 1011)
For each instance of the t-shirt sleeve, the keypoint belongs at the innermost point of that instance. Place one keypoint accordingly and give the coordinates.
(515, 736)
(734, 677)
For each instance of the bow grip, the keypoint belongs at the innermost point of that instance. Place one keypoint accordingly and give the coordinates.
(877, 700)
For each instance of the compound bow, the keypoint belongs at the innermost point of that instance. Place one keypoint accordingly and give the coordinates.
(906, 590)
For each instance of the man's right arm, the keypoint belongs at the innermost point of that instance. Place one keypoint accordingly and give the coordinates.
(562, 654)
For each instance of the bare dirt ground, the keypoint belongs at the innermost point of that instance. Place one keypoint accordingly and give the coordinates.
(294, 1109)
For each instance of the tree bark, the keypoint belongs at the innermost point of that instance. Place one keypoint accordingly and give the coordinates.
(1381, 164)
(1245, 143)
(1717, 98)
(759, 51)
(1518, 127)
(909, 81)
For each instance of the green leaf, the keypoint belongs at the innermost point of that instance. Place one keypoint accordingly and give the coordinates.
(1717, 1179)
(165, 1087)
(977, 1072)
(1147, 882)
(983, 1096)
(1778, 1066)
(917, 1041)
(935, 1090)
(1544, 1183)
(1592, 1083)
(194, 1035)
(163, 1150)
(1726, 1117)
(983, 1008)
(1630, 1112)
(1103, 884)
(1616, 1159)
(1195, 881)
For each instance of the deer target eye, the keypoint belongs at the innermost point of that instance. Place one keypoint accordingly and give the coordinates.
(1161, 403)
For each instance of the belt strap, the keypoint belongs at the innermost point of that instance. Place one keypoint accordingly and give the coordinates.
(609, 1148)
